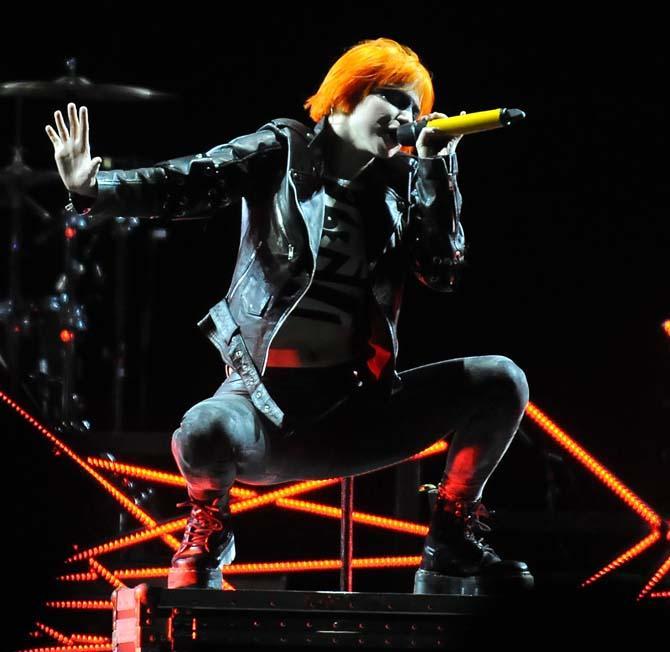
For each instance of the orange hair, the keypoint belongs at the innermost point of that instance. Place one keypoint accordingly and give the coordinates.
(370, 63)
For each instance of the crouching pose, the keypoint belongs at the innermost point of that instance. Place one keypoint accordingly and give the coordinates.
(335, 215)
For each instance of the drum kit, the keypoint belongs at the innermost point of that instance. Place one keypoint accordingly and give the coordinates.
(52, 324)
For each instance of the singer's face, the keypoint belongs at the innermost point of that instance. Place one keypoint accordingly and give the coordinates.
(366, 127)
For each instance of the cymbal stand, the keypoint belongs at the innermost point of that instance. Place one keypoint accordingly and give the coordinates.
(14, 312)
(122, 227)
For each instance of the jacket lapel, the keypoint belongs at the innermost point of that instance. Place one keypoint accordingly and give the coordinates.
(382, 203)
(305, 167)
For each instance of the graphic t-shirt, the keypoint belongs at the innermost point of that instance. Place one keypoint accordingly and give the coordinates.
(320, 330)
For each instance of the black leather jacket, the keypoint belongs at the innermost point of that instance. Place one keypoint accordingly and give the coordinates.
(411, 209)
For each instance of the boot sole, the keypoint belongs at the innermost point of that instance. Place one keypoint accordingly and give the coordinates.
(427, 582)
(202, 578)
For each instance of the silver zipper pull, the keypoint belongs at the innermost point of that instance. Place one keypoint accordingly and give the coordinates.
(290, 252)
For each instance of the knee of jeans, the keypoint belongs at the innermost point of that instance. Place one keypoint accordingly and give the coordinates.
(209, 432)
(505, 378)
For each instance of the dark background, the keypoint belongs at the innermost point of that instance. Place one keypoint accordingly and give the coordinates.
(565, 215)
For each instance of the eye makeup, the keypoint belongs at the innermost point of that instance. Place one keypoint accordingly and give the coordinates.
(398, 98)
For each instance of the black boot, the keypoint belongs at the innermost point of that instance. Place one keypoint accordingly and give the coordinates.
(208, 545)
(455, 561)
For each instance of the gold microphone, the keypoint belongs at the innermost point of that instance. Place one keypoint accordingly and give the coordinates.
(468, 123)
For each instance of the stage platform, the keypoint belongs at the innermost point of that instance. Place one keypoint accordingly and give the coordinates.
(149, 618)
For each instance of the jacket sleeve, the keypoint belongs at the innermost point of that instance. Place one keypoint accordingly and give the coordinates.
(435, 236)
(188, 186)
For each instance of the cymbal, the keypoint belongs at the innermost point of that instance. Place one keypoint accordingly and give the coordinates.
(73, 87)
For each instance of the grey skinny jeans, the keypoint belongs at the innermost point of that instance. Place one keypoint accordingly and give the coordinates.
(479, 399)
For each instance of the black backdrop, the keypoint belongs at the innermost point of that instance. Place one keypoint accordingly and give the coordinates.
(565, 216)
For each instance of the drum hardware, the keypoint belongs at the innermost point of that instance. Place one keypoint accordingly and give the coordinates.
(58, 320)
(16, 313)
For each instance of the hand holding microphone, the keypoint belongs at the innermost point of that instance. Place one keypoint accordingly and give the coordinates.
(429, 140)
(431, 131)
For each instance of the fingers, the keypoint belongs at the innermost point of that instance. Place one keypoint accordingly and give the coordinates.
(83, 113)
(75, 131)
(53, 136)
(60, 125)
(74, 121)
(95, 166)
(435, 115)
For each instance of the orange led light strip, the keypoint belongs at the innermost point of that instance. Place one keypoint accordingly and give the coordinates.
(436, 448)
(323, 564)
(587, 460)
(105, 574)
(129, 540)
(107, 647)
(240, 492)
(128, 504)
(74, 638)
(272, 496)
(283, 567)
(134, 471)
(358, 517)
(56, 635)
(625, 557)
(660, 594)
(655, 579)
(89, 638)
(116, 576)
(79, 604)
(141, 573)
(78, 577)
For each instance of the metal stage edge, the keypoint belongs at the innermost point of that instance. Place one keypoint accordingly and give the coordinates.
(153, 619)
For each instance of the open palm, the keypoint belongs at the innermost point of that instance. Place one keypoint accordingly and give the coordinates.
(72, 151)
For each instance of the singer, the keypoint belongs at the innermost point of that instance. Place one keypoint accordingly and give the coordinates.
(335, 216)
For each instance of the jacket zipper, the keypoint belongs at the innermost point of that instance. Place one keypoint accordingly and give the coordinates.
(283, 230)
(245, 272)
(285, 316)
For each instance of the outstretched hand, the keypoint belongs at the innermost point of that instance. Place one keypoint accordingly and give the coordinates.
(72, 152)
(432, 142)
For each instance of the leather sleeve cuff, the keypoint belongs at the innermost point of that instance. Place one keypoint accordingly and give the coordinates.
(82, 204)
(437, 166)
